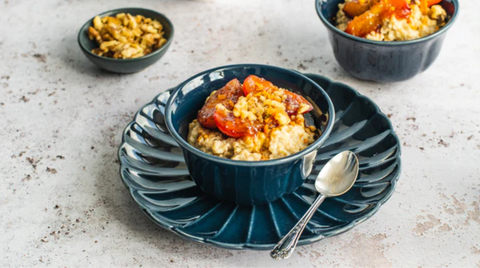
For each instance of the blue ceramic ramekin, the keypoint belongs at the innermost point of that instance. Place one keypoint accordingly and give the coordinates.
(245, 182)
(383, 61)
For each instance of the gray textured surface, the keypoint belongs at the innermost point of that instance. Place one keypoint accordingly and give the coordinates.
(61, 199)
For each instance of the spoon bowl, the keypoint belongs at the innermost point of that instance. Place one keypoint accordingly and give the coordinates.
(338, 175)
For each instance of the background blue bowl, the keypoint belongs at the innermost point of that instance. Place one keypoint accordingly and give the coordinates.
(378, 60)
(126, 66)
(245, 182)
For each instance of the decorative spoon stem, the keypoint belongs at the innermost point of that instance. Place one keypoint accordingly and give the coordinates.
(286, 246)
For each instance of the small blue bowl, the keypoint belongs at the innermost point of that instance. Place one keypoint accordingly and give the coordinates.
(245, 182)
(126, 66)
(378, 60)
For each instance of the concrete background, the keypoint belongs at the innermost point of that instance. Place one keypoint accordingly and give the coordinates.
(61, 199)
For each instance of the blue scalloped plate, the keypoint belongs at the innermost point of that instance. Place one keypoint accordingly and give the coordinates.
(154, 170)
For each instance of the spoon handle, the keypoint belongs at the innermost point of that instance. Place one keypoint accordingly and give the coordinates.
(286, 246)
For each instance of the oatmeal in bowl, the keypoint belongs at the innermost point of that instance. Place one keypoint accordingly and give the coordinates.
(252, 122)
(249, 133)
(386, 40)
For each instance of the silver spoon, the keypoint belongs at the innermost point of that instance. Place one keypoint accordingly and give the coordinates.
(336, 178)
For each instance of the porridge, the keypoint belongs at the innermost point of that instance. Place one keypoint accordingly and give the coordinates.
(251, 122)
(390, 20)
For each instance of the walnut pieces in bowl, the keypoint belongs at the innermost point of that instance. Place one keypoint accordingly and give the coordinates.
(125, 36)
(126, 40)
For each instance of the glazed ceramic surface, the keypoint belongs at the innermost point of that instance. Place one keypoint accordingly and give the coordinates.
(126, 65)
(383, 61)
(246, 182)
(154, 170)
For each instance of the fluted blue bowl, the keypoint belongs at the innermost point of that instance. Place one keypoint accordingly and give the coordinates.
(245, 182)
(382, 61)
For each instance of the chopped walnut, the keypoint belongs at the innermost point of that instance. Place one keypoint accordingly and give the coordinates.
(438, 13)
(125, 36)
